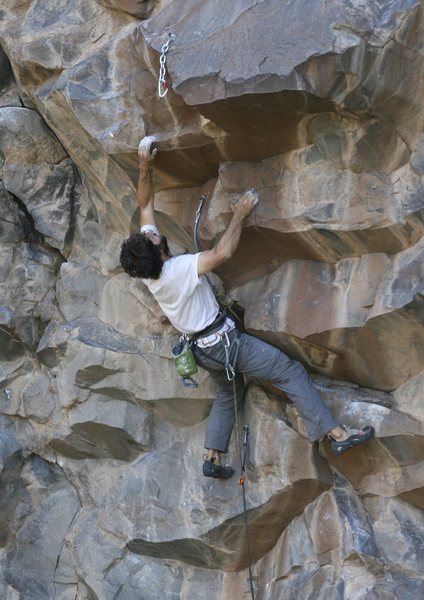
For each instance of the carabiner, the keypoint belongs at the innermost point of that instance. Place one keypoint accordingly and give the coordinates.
(162, 88)
(229, 369)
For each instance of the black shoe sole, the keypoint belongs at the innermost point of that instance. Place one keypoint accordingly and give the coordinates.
(217, 471)
(352, 441)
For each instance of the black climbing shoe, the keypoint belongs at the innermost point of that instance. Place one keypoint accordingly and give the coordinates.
(210, 469)
(356, 437)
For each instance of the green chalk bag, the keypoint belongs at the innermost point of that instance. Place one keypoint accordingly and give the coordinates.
(183, 358)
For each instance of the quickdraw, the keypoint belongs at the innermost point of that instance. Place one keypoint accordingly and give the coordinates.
(229, 369)
(202, 200)
(162, 85)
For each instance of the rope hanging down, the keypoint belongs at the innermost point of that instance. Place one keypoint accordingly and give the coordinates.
(162, 85)
(246, 524)
(231, 376)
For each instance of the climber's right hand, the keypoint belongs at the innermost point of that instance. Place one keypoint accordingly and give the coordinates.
(145, 153)
(243, 205)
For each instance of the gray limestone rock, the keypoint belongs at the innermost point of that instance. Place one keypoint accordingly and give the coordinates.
(50, 505)
(9, 95)
(138, 8)
(318, 106)
(27, 280)
(48, 193)
(374, 289)
(25, 138)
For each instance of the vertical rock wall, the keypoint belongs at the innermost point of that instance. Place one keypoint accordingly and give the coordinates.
(318, 105)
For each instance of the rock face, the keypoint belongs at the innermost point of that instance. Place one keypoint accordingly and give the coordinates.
(318, 105)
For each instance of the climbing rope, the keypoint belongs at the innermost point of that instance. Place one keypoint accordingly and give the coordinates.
(221, 301)
(202, 200)
(231, 376)
(162, 85)
(246, 524)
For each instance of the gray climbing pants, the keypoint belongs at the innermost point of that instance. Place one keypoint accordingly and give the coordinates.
(256, 358)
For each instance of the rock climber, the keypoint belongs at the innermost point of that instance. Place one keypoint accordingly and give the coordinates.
(179, 285)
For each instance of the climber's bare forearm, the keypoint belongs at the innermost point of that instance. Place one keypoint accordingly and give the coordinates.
(227, 245)
(145, 192)
(145, 196)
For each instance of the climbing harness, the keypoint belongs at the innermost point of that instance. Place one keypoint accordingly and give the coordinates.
(162, 85)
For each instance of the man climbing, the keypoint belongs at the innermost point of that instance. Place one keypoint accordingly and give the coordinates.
(180, 287)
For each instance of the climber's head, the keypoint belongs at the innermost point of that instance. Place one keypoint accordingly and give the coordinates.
(143, 254)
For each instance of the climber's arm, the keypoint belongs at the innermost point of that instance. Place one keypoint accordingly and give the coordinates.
(227, 245)
(145, 194)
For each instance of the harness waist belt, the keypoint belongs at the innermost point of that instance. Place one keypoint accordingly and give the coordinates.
(216, 336)
(212, 327)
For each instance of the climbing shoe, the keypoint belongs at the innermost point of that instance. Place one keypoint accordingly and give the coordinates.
(356, 437)
(210, 469)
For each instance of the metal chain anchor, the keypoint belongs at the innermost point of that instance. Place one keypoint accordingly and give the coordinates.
(162, 85)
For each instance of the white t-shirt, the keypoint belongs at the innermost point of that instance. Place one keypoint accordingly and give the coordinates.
(185, 298)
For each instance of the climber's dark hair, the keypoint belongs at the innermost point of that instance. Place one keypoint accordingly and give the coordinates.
(140, 257)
